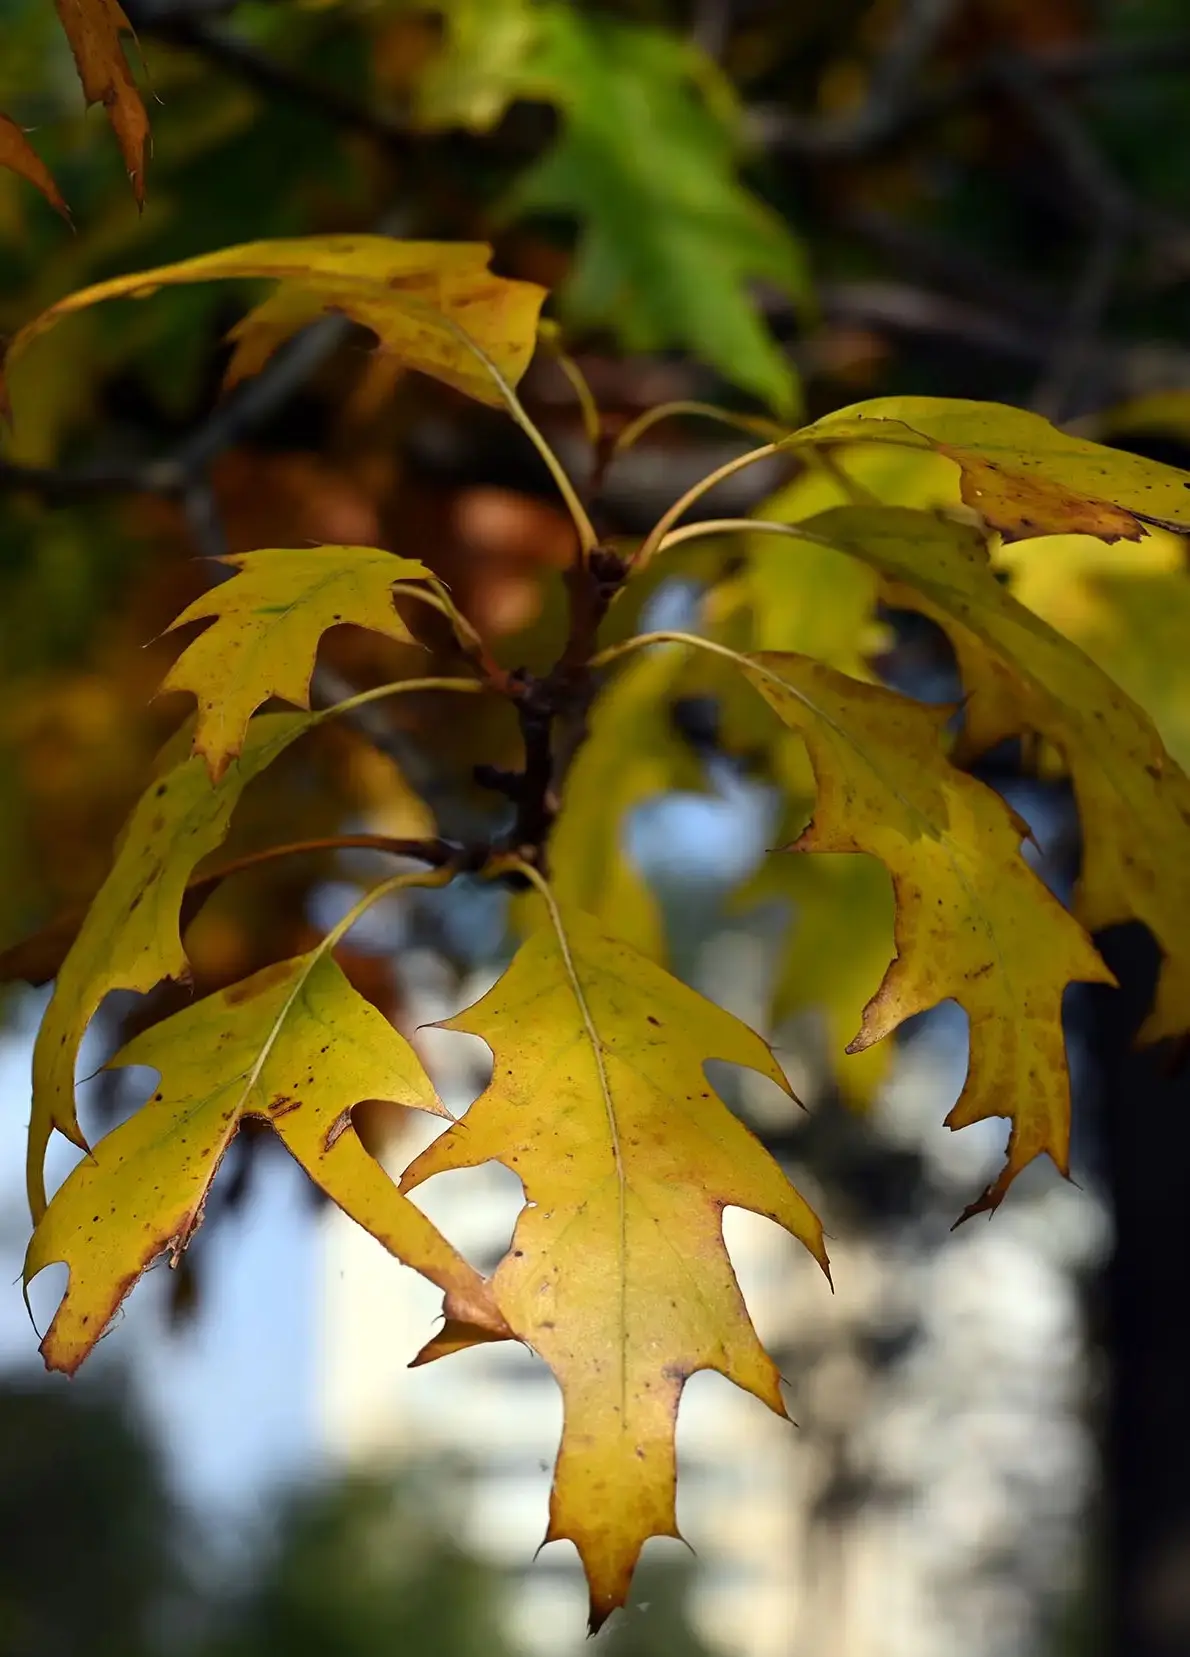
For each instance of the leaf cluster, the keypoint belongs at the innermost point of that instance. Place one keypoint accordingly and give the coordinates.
(617, 1274)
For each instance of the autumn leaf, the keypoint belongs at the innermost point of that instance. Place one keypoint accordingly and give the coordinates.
(1023, 475)
(423, 300)
(130, 939)
(1019, 675)
(18, 154)
(647, 159)
(617, 1274)
(268, 621)
(973, 922)
(671, 241)
(94, 29)
(1127, 607)
(294, 1046)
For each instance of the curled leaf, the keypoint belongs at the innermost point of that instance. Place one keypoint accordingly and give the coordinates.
(973, 922)
(424, 301)
(1020, 675)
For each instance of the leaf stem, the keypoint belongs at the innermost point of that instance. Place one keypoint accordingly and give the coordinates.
(397, 688)
(395, 883)
(582, 523)
(734, 526)
(642, 641)
(754, 424)
(579, 384)
(434, 852)
(653, 540)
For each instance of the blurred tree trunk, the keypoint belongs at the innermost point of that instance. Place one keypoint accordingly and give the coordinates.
(1146, 1121)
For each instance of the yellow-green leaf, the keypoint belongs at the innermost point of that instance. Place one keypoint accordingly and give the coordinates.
(617, 1274)
(268, 621)
(294, 1046)
(130, 939)
(973, 922)
(1133, 797)
(1128, 607)
(422, 300)
(1024, 476)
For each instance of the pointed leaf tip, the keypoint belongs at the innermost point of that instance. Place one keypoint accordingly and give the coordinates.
(600, 1104)
(973, 922)
(267, 622)
(130, 938)
(294, 1046)
(434, 306)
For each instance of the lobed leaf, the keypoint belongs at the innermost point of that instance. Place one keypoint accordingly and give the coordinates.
(617, 1274)
(973, 922)
(1133, 797)
(294, 1046)
(1128, 608)
(647, 160)
(1021, 474)
(130, 939)
(671, 241)
(268, 621)
(422, 300)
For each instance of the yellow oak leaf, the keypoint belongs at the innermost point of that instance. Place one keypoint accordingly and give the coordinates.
(94, 29)
(973, 922)
(268, 621)
(130, 939)
(424, 301)
(1133, 797)
(1128, 607)
(294, 1046)
(19, 156)
(617, 1274)
(1024, 476)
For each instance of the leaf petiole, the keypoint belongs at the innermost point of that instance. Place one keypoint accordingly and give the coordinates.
(753, 424)
(652, 542)
(578, 512)
(397, 688)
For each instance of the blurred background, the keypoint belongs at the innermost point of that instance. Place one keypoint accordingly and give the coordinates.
(781, 204)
